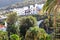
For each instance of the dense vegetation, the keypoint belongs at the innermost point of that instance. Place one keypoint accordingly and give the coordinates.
(23, 28)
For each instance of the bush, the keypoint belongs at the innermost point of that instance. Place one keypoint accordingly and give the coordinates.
(35, 33)
(12, 29)
(14, 37)
(26, 23)
(3, 35)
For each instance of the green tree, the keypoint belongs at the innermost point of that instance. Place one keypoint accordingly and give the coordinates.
(26, 23)
(36, 33)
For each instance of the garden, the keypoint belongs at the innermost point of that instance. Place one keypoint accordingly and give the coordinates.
(27, 27)
(23, 28)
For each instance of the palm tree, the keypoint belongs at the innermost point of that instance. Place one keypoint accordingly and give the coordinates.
(51, 6)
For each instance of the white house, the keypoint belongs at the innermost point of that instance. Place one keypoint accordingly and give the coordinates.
(26, 10)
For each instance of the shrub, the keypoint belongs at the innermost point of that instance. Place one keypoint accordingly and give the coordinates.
(12, 29)
(3, 35)
(26, 23)
(35, 33)
(14, 37)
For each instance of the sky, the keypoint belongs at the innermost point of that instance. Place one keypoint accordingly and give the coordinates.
(8, 2)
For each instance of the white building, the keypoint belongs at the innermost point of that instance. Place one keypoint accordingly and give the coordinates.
(26, 10)
(38, 6)
(20, 11)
